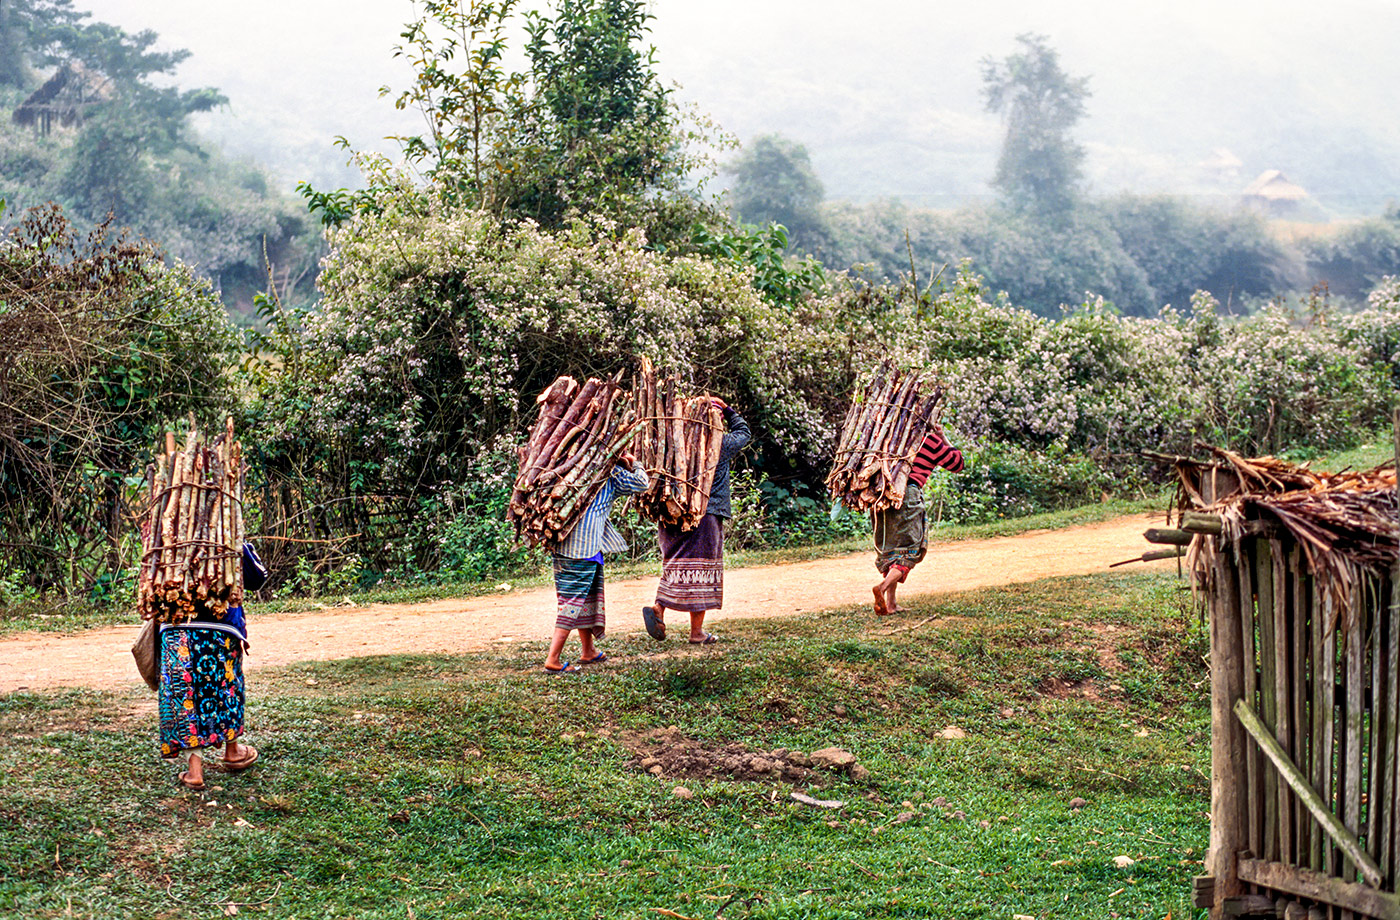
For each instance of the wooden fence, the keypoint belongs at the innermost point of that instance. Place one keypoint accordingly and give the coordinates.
(1305, 712)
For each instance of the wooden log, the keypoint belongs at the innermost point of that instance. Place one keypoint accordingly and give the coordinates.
(1196, 522)
(566, 426)
(1170, 535)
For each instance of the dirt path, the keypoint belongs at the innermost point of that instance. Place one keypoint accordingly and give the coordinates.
(101, 658)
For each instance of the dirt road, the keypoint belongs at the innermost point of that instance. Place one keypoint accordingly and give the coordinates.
(101, 658)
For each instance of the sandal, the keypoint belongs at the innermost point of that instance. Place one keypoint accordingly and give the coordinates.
(596, 659)
(242, 763)
(193, 787)
(568, 667)
(709, 639)
(655, 627)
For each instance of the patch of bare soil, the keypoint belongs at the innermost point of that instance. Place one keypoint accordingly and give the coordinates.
(1060, 689)
(667, 752)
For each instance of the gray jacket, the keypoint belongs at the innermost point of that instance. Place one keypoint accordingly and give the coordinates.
(735, 439)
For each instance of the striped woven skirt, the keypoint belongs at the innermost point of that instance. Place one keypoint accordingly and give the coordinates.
(901, 534)
(692, 566)
(578, 585)
(201, 688)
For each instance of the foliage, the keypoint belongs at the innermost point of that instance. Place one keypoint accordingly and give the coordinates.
(774, 183)
(1040, 167)
(100, 346)
(435, 332)
(1183, 248)
(587, 131)
(130, 154)
(776, 276)
(1354, 260)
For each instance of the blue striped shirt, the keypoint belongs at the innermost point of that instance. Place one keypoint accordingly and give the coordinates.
(595, 533)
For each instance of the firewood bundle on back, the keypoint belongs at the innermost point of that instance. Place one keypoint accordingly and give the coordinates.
(192, 529)
(678, 441)
(884, 428)
(580, 433)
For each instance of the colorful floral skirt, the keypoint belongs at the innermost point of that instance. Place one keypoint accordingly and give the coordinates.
(901, 534)
(578, 586)
(692, 566)
(201, 688)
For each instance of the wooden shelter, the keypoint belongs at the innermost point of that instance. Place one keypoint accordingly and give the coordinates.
(1272, 193)
(1299, 573)
(64, 98)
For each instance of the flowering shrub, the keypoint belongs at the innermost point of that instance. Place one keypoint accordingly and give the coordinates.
(392, 412)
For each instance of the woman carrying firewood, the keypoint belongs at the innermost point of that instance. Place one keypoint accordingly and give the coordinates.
(901, 534)
(578, 568)
(201, 692)
(692, 561)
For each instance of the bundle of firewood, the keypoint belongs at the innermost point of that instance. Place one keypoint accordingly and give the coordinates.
(192, 529)
(884, 428)
(579, 435)
(678, 441)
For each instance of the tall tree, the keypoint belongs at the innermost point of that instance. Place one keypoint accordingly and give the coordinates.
(25, 26)
(587, 130)
(774, 183)
(116, 162)
(1040, 169)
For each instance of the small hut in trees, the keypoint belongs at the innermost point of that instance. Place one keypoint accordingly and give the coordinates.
(1272, 193)
(64, 99)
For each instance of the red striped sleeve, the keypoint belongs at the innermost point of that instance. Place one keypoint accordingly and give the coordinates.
(935, 451)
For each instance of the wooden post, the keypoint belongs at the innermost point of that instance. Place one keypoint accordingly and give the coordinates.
(1249, 672)
(1283, 717)
(1268, 690)
(1350, 792)
(1227, 751)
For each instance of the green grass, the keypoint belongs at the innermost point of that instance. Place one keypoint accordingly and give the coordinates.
(434, 787)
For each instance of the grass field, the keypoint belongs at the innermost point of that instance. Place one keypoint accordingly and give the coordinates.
(432, 787)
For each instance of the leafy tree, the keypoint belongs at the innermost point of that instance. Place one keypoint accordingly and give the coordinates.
(101, 344)
(1041, 167)
(588, 130)
(24, 26)
(774, 183)
(116, 163)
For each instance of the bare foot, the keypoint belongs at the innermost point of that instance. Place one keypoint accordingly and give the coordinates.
(880, 609)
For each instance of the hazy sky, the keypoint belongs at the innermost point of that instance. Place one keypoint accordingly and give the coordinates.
(885, 93)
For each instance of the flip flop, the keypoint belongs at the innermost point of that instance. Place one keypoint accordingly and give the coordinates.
(193, 787)
(709, 639)
(596, 659)
(242, 763)
(655, 628)
(568, 668)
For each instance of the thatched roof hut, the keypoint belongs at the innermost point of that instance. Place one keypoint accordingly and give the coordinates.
(1271, 191)
(65, 98)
